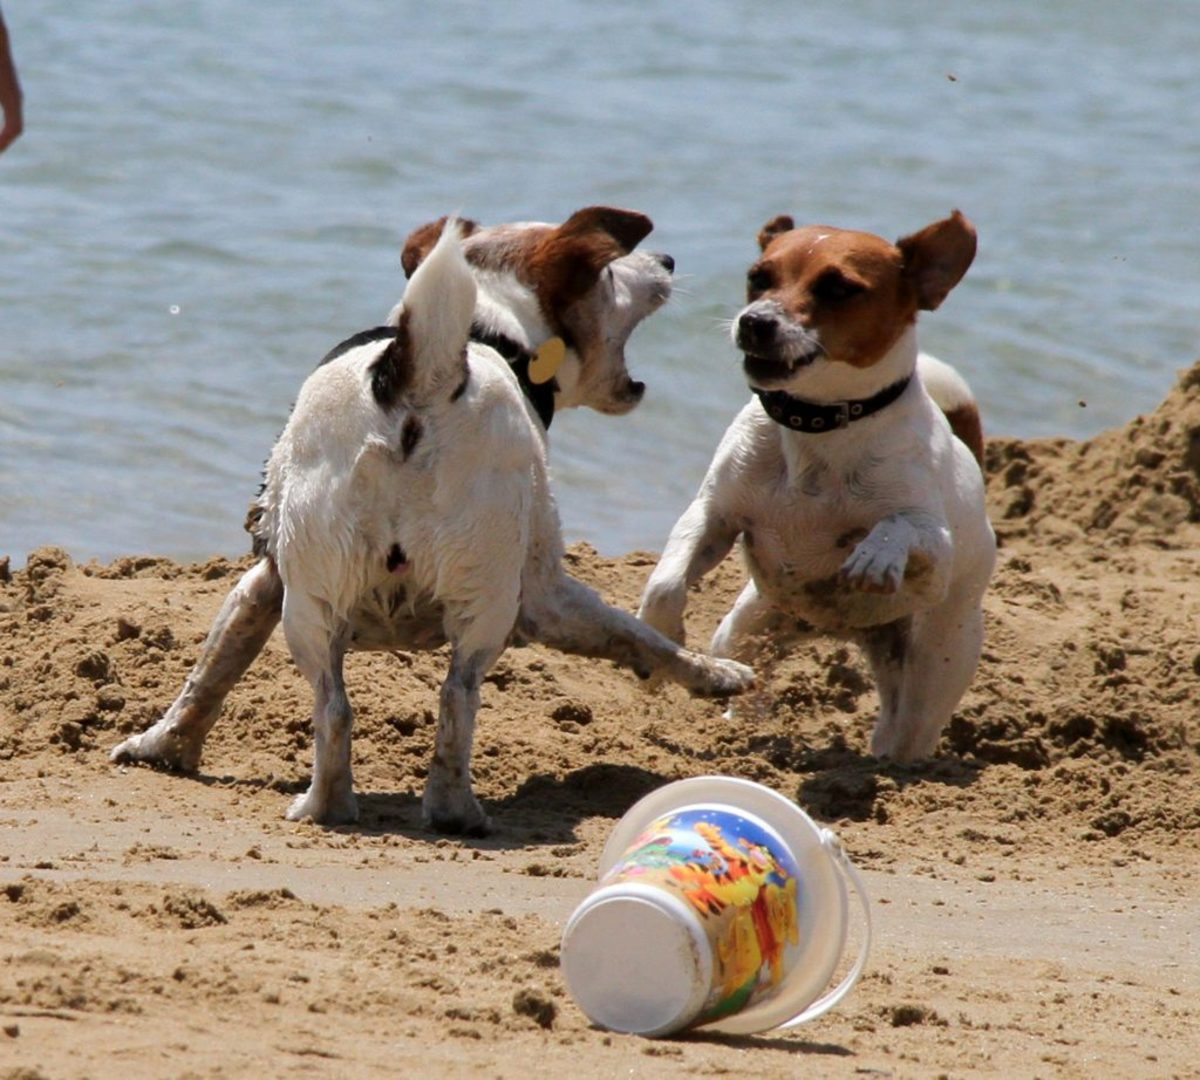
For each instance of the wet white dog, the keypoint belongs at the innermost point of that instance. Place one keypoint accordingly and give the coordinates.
(406, 505)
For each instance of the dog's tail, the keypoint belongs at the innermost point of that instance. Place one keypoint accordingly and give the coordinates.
(429, 354)
(954, 397)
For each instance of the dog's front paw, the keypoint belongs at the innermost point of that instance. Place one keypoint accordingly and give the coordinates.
(323, 809)
(160, 746)
(876, 566)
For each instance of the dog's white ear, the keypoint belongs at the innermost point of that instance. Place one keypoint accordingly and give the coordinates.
(781, 224)
(936, 258)
(421, 240)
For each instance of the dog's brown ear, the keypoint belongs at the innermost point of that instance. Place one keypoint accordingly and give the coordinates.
(781, 224)
(936, 258)
(420, 242)
(568, 260)
(627, 227)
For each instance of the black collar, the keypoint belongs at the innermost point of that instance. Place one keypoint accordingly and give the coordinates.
(811, 418)
(539, 395)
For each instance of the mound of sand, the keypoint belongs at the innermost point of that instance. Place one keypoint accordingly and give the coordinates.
(1139, 483)
(1035, 882)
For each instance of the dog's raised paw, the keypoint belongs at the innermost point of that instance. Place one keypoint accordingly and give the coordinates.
(874, 569)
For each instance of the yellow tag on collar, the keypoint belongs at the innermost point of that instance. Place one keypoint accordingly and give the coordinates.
(547, 360)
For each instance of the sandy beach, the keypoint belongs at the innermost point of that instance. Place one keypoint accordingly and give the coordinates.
(1034, 886)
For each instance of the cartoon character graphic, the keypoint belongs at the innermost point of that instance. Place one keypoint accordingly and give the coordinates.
(741, 888)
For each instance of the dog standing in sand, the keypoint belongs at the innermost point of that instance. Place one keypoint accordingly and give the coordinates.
(407, 505)
(853, 477)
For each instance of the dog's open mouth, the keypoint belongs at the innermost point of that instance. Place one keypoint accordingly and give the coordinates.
(773, 369)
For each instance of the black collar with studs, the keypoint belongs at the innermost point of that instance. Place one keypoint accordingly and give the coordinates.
(539, 395)
(812, 418)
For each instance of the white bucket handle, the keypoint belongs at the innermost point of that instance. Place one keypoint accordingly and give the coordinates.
(833, 846)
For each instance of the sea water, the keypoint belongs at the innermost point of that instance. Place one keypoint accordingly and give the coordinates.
(208, 196)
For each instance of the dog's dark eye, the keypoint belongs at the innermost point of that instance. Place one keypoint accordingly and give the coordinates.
(759, 279)
(833, 288)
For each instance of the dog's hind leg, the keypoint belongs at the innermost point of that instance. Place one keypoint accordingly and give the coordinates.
(922, 668)
(449, 804)
(319, 650)
(246, 619)
(567, 615)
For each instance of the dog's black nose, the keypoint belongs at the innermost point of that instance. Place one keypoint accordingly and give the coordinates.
(756, 329)
(668, 262)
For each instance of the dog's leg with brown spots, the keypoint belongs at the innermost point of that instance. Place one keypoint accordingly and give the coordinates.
(571, 617)
(241, 629)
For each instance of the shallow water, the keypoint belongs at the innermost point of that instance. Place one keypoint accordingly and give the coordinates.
(209, 196)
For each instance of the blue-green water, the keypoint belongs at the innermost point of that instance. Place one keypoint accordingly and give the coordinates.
(210, 194)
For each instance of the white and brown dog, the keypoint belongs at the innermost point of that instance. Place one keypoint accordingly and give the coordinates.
(406, 503)
(860, 512)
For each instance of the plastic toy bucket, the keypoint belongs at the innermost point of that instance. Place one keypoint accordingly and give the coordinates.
(720, 903)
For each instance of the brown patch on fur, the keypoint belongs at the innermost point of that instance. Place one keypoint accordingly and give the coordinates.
(936, 258)
(410, 435)
(391, 371)
(560, 262)
(566, 262)
(888, 643)
(847, 286)
(965, 423)
(420, 242)
(781, 224)
(505, 248)
(919, 568)
(855, 289)
(627, 227)
(258, 542)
